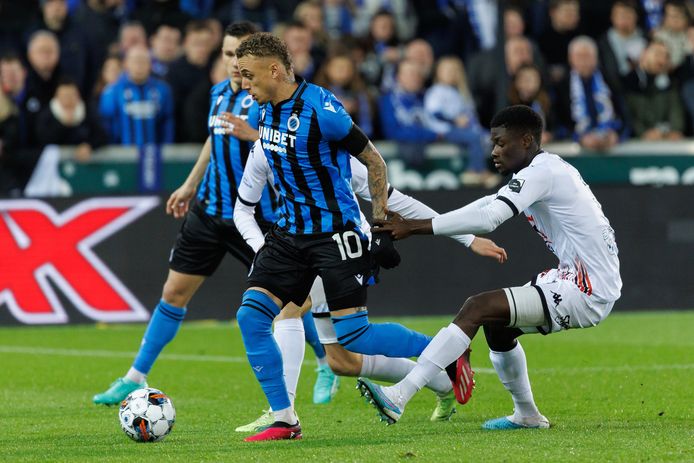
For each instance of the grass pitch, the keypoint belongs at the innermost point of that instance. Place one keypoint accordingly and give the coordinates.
(618, 392)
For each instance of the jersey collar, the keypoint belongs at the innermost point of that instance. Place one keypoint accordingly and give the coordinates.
(298, 91)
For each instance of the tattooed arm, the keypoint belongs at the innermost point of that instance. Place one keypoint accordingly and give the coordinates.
(378, 180)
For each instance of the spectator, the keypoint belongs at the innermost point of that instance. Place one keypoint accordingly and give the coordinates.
(110, 72)
(403, 117)
(338, 19)
(43, 56)
(382, 49)
(621, 46)
(527, 89)
(138, 108)
(74, 61)
(585, 103)
(339, 75)
(16, 16)
(673, 32)
(419, 52)
(13, 77)
(299, 43)
(99, 21)
(564, 27)
(262, 13)
(514, 24)
(487, 85)
(310, 14)
(653, 100)
(217, 30)
(191, 68)
(166, 48)
(404, 19)
(451, 114)
(131, 34)
(17, 156)
(68, 121)
(196, 105)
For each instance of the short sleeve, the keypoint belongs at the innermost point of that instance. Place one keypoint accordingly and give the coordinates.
(527, 187)
(335, 123)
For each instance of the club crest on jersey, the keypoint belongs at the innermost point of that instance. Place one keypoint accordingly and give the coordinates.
(262, 114)
(293, 123)
(247, 102)
(516, 185)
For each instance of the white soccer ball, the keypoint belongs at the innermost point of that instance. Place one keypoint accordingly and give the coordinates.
(147, 415)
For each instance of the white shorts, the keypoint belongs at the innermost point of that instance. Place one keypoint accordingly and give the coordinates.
(553, 304)
(321, 314)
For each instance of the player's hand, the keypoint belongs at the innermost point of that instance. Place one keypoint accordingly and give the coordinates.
(398, 227)
(179, 201)
(239, 128)
(488, 248)
(383, 250)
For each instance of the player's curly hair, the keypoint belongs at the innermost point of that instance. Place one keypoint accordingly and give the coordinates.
(265, 45)
(519, 118)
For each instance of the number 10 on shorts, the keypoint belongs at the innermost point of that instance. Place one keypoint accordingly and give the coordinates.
(348, 248)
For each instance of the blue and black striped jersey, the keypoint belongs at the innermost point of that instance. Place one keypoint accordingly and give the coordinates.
(138, 114)
(228, 156)
(300, 137)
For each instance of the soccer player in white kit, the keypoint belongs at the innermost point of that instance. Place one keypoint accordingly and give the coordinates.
(579, 293)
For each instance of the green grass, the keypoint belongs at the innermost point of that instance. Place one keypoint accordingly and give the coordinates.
(618, 392)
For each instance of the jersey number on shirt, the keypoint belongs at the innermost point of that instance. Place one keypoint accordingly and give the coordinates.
(345, 245)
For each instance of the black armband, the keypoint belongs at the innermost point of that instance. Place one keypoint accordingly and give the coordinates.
(355, 141)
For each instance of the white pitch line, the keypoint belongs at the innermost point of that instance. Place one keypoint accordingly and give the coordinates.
(230, 359)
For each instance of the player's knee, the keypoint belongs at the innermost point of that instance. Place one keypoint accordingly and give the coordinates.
(472, 311)
(345, 363)
(256, 313)
(175, 294)
(352, 333)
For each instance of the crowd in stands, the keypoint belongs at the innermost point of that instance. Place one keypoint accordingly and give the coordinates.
(137, 72)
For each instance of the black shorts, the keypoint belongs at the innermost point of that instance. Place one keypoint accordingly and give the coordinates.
(287, 265)
(202, 242)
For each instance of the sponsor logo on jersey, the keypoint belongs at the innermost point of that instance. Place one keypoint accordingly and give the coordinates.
(564, 322)
(556, 297)
(329, 107)
(48, 254)
(516, 185)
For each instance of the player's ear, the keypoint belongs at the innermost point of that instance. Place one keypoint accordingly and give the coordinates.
(527, 140)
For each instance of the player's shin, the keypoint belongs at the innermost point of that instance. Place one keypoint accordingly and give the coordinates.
(356, 334)
(512, 369)
(162, 328)
(393, 370)
(255, 318)
(444, 349)
(289, 335)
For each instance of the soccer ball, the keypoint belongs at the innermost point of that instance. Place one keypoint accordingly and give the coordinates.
(147, 415)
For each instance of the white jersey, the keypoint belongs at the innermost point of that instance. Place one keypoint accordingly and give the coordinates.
(562, 209)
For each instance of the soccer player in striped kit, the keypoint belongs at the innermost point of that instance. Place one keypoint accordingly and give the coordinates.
(308, 139)
(208, 231)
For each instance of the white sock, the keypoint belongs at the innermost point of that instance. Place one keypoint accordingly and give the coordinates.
(322, 361)
(289, 335)
(513, 373)
(394, 369)
(137, 376)
(444, 349)
(286, 415)
(381, 368)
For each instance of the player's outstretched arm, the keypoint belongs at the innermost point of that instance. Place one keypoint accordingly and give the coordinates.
(179, 201)
(487, 248)
(378, 179)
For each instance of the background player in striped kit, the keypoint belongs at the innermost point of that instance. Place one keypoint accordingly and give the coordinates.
(207, 232)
